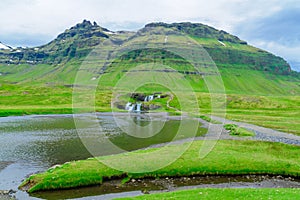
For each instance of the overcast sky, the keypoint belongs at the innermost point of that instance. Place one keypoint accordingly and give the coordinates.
(273, 25)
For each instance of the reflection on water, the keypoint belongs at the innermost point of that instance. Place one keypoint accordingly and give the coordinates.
(34, 143)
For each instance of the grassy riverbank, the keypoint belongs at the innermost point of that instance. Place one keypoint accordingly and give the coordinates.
(227, 158)
(223, 194)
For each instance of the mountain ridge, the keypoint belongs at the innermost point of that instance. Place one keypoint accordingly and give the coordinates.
(199, 30)
(79, 40)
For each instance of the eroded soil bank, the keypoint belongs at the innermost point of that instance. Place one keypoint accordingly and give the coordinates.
(135, 187)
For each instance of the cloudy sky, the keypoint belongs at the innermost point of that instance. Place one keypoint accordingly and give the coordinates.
(273, 25)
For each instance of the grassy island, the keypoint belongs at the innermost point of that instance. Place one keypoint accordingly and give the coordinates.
(227, 158)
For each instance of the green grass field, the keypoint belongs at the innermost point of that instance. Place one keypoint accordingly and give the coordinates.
(227, 158)
(273, 111)
(225, 194)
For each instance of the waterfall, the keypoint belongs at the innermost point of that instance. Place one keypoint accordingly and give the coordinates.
(138, 107)
(151, 98)
(129, 106)
(146, 99)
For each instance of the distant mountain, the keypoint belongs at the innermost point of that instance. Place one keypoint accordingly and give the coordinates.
(4, 47)
(77, 42)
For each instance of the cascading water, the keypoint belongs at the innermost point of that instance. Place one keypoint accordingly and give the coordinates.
(129, 106)
(138, 107)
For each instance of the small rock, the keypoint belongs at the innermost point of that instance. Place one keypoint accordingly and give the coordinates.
(12, 191)
(4, 192)
(133, 180)
(55, 166)
(145, 191)
(279, 177)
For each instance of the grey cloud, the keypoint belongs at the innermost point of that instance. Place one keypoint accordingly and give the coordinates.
(282, 27)
(25, 40)
(278, 33)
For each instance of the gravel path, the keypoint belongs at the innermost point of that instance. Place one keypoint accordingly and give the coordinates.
(261, 133)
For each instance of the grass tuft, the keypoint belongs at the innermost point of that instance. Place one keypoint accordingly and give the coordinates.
(235, 130)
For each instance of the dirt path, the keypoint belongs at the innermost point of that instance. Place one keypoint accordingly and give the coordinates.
(265, 134)
(168, 102)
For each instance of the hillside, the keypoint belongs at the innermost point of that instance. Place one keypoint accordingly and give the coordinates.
(58, 61)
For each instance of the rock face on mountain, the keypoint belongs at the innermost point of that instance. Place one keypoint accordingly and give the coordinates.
(78, 41)
(75, 42)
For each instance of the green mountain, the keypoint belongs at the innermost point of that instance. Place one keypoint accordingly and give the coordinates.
(75, 42)
(244, 68)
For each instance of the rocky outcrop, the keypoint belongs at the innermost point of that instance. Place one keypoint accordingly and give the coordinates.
(7, 194)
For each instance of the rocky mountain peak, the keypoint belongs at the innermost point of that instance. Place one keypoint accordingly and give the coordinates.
(84, 30)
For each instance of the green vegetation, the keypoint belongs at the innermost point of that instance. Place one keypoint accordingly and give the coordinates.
(235, 130)
(227, 158)
(224, 194)
(277, 112)
(208, 119)
(280, 112)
